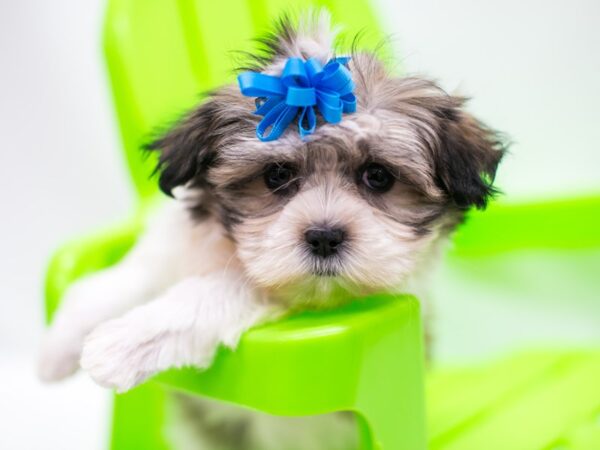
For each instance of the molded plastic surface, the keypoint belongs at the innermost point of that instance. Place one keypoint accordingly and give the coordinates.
(531, 401)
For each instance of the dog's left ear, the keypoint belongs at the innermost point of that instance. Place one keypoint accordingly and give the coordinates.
(188, 150)
(467, 158)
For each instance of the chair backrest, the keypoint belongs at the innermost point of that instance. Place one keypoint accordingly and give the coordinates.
(163, 54)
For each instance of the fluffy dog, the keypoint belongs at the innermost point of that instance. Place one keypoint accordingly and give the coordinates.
(262, 228)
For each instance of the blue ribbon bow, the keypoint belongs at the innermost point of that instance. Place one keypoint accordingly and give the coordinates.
(301, 87)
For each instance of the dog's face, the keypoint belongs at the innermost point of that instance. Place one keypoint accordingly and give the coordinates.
(355, 207)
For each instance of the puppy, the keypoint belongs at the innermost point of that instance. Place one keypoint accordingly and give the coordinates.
(261, 228)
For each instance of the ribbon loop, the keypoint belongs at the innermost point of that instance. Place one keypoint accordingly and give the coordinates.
(254, 84)
(302, 88)
(301, 96)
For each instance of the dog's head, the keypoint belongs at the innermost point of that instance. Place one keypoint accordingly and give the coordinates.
(353, 207)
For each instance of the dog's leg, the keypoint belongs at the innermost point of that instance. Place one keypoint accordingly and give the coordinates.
(183, 327)
(149, 268)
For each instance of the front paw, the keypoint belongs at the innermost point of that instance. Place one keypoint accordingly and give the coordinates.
(122, 353)
(116, 358)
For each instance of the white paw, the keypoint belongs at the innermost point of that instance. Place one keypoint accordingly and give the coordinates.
(115, 358)
(59, 354)
(122, 353)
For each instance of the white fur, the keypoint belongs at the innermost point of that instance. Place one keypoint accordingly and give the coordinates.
(179, 292)
(315, 38)
(382, 254)
(182, 327)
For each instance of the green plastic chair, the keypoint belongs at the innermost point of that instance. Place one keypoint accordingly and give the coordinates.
(366, 357)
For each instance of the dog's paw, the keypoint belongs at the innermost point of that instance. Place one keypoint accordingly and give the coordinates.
(122, 353)
(115, 357)
(59, 354)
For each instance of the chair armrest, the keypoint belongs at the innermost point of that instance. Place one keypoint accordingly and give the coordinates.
(552, 224)
(329, 354)
(365, 357)
(86, 255)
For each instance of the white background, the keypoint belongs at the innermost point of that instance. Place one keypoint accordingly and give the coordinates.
(533, 68)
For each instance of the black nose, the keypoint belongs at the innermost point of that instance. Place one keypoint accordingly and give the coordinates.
(324, 241)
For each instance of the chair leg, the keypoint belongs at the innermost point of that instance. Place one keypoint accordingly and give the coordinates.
(365, 435)
(391, 403)
(138, 419)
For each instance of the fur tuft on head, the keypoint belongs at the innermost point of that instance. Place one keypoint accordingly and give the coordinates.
(310, 36)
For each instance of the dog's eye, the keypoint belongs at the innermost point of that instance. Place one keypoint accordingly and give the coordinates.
(376, 177)
(279, 176)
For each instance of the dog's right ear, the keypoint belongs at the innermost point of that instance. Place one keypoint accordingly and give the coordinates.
(467, 160)
(186, 151)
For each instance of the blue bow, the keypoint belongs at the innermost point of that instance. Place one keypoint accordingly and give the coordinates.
(301, 87)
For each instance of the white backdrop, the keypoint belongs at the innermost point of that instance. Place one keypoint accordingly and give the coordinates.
(532, 67)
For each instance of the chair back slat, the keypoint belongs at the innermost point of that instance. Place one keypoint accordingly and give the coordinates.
(162, 55)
